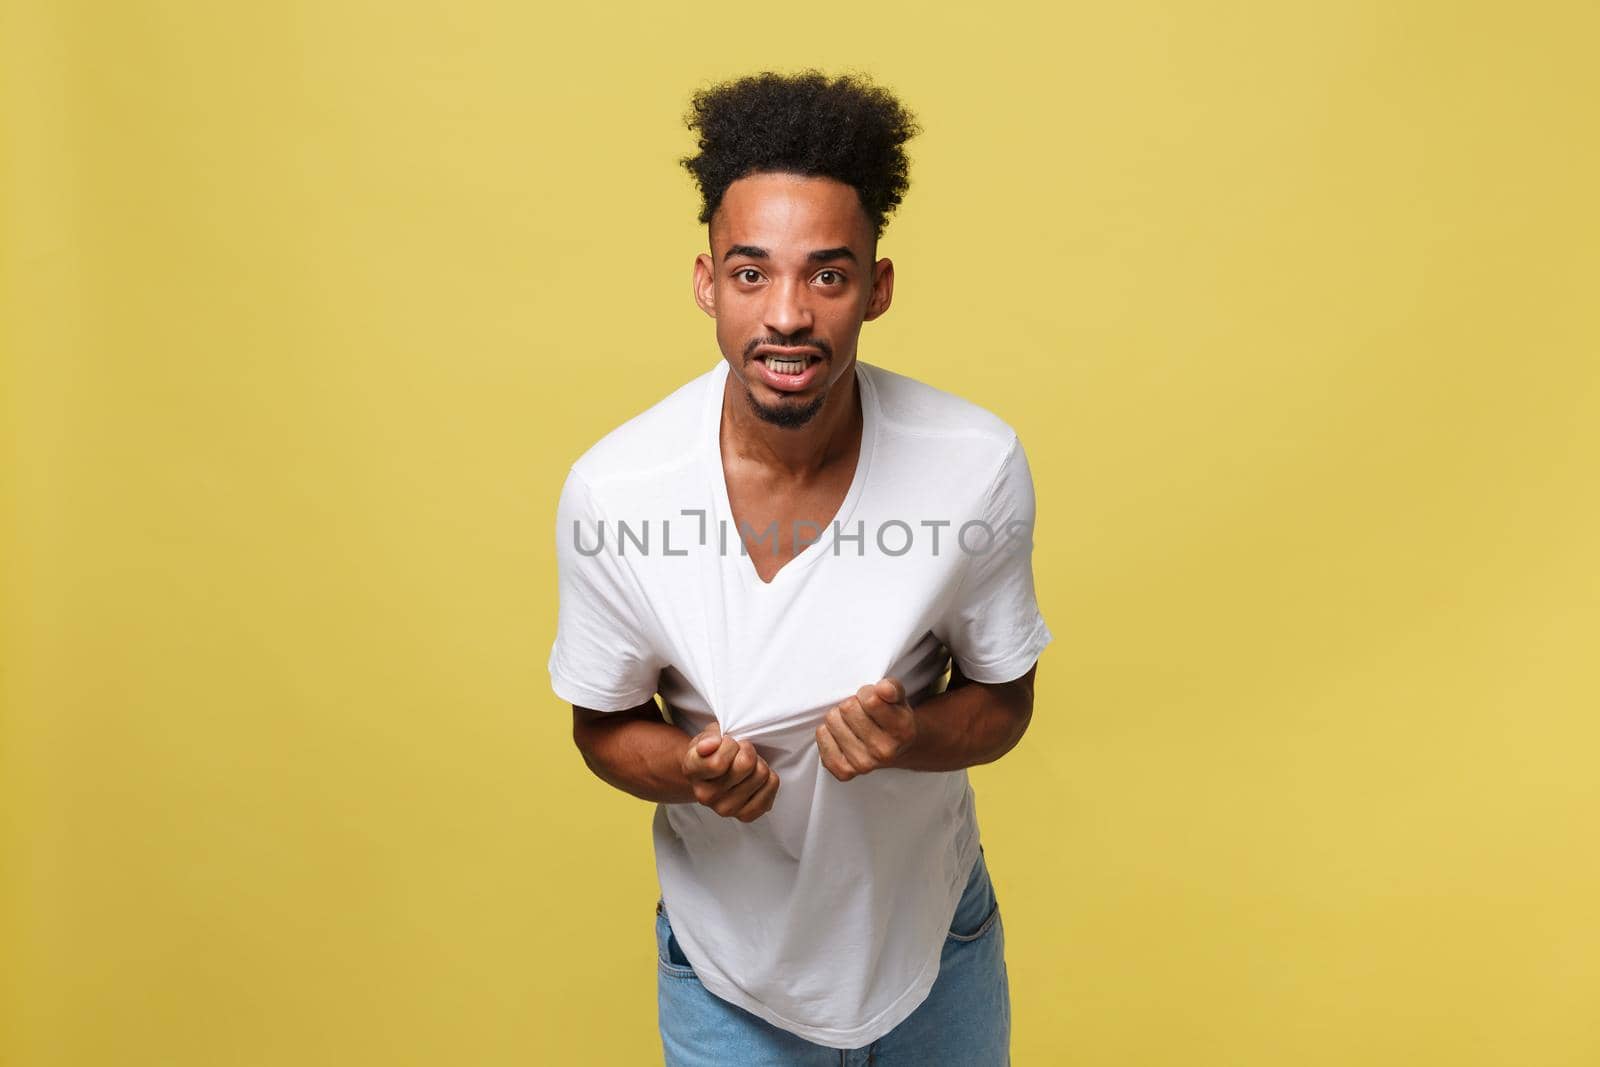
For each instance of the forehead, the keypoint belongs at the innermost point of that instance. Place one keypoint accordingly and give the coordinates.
(790, 213)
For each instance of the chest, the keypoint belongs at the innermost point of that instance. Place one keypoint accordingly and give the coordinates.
(768, 659)
(777, 519)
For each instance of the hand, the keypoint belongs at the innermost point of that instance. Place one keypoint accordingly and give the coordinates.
(867, 731)
(728, 776)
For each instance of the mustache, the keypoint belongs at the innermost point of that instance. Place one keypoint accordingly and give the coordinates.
(789, 341)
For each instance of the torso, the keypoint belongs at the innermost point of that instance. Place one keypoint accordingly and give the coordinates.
(828, 913)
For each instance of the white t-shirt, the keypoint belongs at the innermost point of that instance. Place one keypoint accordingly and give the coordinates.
(826, 915)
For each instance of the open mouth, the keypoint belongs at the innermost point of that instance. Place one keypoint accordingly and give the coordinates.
(795, 364)
(790, 372)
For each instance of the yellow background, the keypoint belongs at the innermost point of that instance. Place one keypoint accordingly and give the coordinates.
(308, 306)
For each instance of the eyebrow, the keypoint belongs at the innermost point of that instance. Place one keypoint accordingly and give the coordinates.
(821, 255)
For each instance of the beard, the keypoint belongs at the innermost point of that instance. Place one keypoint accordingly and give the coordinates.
(789, 416)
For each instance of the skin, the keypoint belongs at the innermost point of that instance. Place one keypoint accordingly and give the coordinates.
(967, 724)
(793, 264)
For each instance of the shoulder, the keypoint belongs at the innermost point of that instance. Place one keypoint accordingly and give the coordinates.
(650, 446)
(930, 420)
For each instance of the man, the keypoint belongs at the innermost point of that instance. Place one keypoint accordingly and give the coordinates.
(830, 538)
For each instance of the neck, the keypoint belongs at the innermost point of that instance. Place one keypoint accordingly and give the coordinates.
(800, 452)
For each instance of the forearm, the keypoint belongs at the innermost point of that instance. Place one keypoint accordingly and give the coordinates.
(968, 724)
(637, 753)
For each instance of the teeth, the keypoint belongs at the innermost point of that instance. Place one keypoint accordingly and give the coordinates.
(785, 366)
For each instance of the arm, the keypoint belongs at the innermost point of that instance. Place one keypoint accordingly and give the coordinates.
(641, 754)
(635, 750)
(967, 724)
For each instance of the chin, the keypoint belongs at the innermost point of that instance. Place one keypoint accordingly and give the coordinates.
(791, 413)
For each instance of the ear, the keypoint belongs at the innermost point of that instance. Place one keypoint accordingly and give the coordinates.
(705, 288)
(882, 289)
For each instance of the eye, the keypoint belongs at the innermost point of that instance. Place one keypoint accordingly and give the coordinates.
(830, 277)
(747, 274)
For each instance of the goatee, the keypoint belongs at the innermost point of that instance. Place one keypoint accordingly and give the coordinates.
(787, 416)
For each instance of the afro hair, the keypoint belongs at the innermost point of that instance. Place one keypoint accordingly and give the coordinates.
(844, 128)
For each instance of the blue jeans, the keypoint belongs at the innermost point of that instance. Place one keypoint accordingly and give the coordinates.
(964, 1022)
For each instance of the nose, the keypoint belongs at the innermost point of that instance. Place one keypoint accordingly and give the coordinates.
(787, 311)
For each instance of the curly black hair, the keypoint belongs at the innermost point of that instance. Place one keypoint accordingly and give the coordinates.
(845, 128)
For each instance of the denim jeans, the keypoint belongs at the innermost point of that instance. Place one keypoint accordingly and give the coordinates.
(964, 1022)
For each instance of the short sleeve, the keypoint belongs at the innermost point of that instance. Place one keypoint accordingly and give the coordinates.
(602, 657)
(993, 626)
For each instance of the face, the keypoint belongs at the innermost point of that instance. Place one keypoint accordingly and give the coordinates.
(790, 280)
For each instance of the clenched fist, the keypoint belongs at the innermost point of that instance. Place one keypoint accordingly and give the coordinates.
(728, 776)
(867, 731)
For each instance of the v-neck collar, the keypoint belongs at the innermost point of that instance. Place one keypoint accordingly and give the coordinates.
(711, 426)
